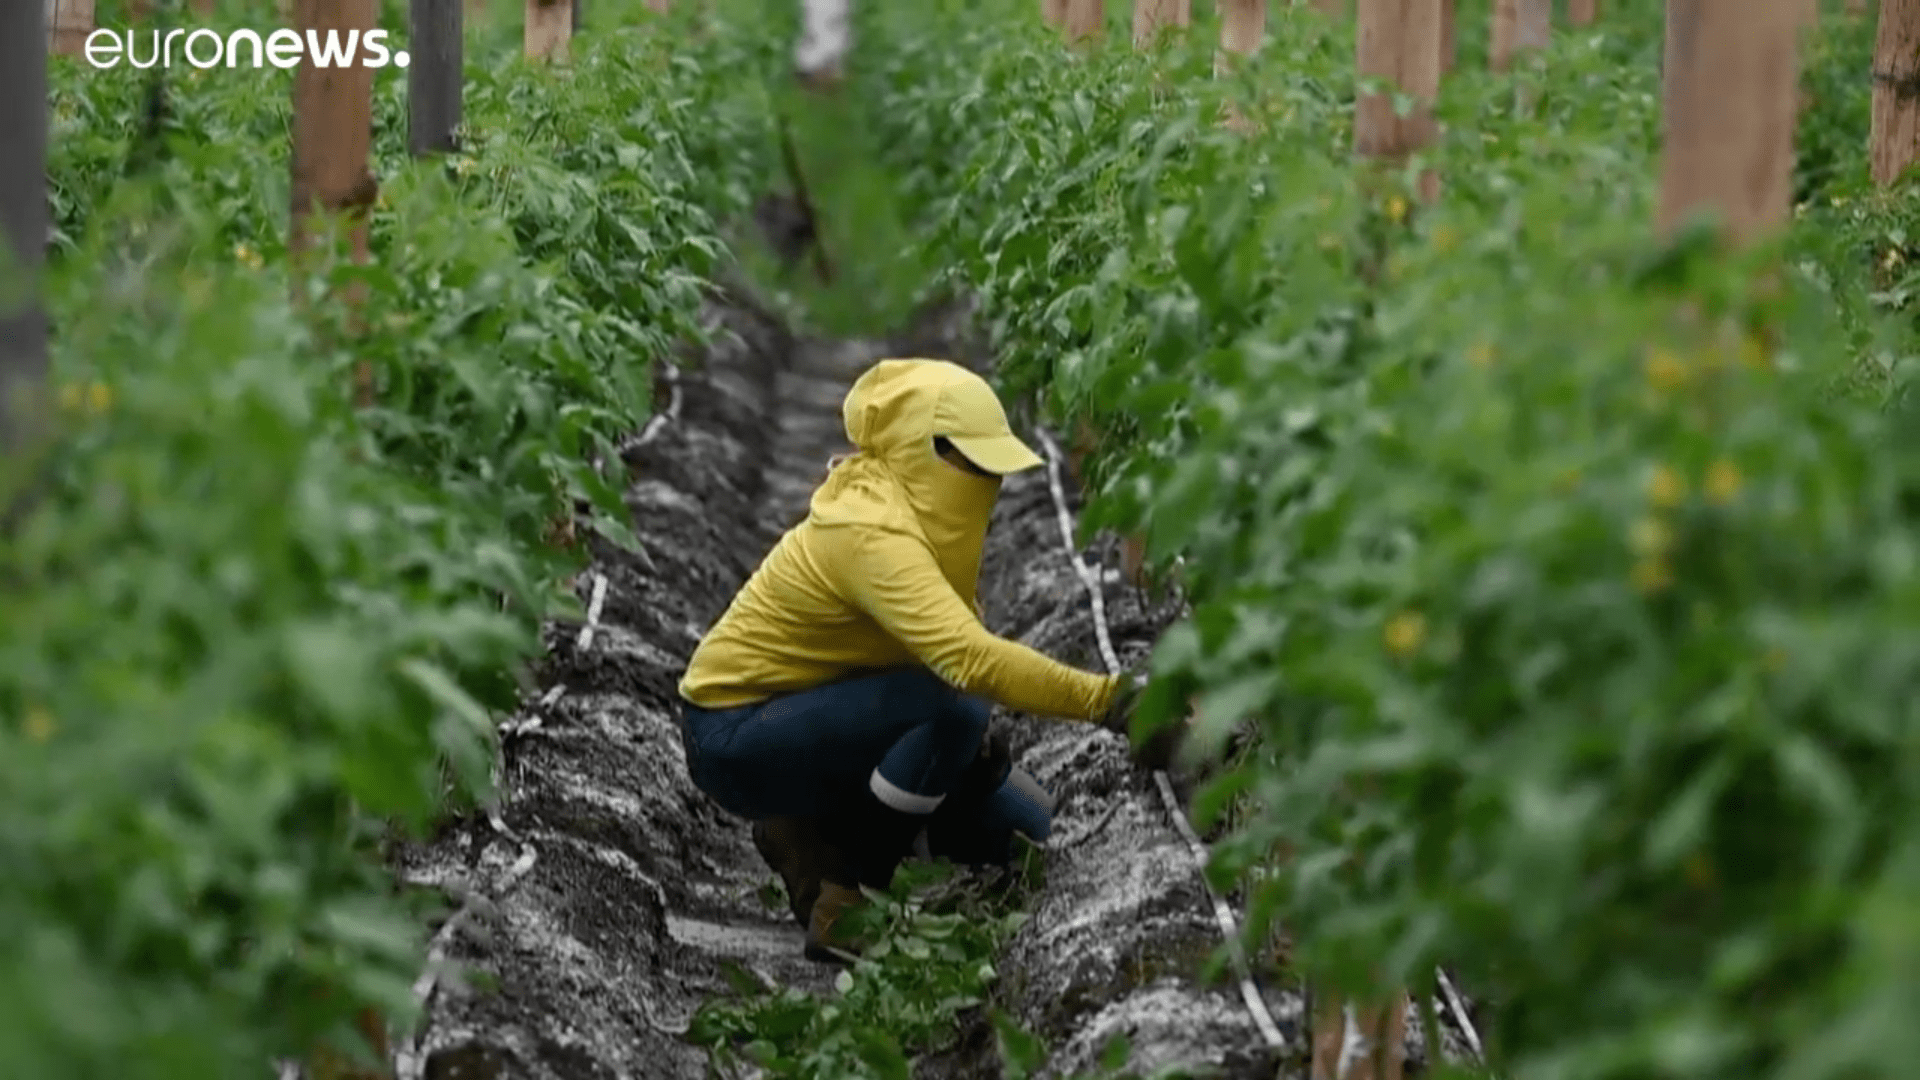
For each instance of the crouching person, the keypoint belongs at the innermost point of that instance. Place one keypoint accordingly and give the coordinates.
(841, 702)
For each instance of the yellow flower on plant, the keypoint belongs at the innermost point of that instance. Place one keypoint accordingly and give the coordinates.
(1666, 372)
(1652, 575)
(1723, 482)
(1754, 354)
(1666, 487)
(247, 256)
(1444, 239)
(1404, 633)
(1396, 209)
(99, 398)
(1480, 354)
(39, 725)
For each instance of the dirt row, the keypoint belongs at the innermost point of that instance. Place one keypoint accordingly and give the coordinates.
(603, 897)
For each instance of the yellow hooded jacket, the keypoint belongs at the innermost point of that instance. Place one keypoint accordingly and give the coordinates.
(882, 572)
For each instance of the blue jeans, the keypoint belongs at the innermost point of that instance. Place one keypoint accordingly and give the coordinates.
(903, 735)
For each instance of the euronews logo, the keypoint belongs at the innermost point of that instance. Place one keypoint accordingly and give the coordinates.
(205, 48)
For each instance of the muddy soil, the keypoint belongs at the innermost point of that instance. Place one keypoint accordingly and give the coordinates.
(606, 897)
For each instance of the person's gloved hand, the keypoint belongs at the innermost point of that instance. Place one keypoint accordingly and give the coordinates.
(1126, 698)
(1159, 749)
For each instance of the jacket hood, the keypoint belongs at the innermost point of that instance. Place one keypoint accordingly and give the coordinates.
(896, 481)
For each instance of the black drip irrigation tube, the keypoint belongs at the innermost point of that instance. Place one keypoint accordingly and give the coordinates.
(1353, 1043)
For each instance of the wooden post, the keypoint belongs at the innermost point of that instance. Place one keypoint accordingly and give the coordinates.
(23, 221)
(1582, 12)
(1449, 37)
(68, 24)
(1518, 26)
(1896, 90)
(1152, 16)
(1384, 1035)
(332, 138)
(1085, 20)
(1730, 99)
(1054, 13)
(434, 77)
(1243, 26)
(548, 27)
(1398, 42)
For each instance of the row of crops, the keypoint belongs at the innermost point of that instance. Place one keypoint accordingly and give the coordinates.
(1564, 578)
(253, 626)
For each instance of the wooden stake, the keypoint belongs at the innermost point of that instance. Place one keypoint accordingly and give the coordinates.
(1582, 12)
(1085, 20)
(332, 138)
(1730, 98)
(23, 223)
(1518, 26)
(1449, 44)
(1399, 43)
(1243, 26)
(434, 82)
(1895, 140)
(1054, 13)
(1152, 16)
(548, 28)
(68, 24)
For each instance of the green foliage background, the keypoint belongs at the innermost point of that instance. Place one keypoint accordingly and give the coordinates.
(1563, 580)
(250, 628)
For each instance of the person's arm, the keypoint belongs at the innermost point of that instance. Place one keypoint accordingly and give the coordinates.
(894, 579)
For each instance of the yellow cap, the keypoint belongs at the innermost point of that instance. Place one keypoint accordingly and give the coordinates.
(969, 414)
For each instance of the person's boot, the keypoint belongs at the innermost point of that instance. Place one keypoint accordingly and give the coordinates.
(828, 939)
(799, 850)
